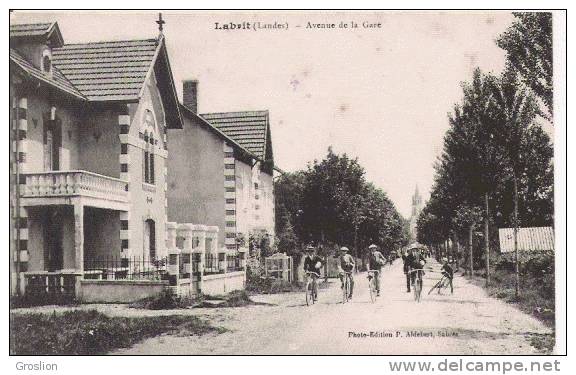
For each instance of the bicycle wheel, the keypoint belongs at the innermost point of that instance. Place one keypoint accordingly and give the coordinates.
(372, 287)
(345, 290)
(419, 293)
(437, 285)
(309, 298)
(417, 289)
(444, 286)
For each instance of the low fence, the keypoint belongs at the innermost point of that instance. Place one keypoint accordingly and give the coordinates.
(125, 268)
(234, 263)
(113, 279)
(214, 263)
(54, 285)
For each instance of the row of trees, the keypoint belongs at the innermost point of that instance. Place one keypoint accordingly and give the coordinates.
(331, 204)
(496, 166)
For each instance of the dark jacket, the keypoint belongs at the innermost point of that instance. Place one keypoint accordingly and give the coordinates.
(376, 260)
(408, 260)
(448, 271)
(417, 264)
(310, 263)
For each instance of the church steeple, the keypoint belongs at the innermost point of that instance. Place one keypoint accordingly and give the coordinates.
(416, 209)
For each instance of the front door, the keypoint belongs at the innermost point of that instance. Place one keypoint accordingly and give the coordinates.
(53, 241)
(149, 239)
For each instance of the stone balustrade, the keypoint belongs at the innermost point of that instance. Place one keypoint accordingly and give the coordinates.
(69, 183)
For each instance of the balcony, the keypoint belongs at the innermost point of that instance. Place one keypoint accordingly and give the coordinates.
(56, 187)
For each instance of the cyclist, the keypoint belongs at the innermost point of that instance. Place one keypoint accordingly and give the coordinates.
(417, 263)
(448, 272)
(375, 262)
(313, 264)
(408, 259)
(346, 264)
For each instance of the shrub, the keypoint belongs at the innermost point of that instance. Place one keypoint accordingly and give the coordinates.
(165, 300)
(40, 300)
(91, 332)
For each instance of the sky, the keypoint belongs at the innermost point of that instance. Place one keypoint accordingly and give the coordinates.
(380, 94)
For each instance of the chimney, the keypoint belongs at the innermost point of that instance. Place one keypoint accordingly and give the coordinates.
(190, 94)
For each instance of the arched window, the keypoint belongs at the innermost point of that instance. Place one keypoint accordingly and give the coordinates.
(149, 144)
(47, 61)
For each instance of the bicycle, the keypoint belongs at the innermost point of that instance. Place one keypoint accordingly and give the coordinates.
(444, 283)
(346, 287)
(372, 275)
(311, 287)
(417, 284)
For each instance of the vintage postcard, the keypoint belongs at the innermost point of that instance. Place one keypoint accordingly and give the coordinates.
(284, 183)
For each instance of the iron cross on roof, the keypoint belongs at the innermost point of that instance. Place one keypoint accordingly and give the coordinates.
(160, 22)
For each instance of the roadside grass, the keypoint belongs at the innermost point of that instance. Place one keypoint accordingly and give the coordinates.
(91, 332)
(167, 301)
(41, 300)
(536, 298)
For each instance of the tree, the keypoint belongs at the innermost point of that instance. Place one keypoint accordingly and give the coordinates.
(481, 125)
(516, 113)
(528, 45)
(288, 196)
(467, 218)
(331, 204)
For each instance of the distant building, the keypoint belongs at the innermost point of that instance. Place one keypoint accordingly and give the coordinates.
(416, 209)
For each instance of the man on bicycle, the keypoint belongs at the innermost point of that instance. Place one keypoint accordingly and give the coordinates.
(408, 259)
(346, 265)
(448, 272)
(417, 264)
(375, 262)
(313, 264)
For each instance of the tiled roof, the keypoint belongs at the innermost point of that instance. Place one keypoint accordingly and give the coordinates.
(249, 128)
(31, 29)
(57, 79)
(107, 70)
(533, 238)
(35, 30)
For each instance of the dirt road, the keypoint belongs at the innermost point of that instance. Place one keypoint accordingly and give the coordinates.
(468, 322)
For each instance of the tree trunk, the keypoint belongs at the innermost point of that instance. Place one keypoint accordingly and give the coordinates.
(470, 240)
(487, 238)
(456, 250)
(516, 260)
(356, 246)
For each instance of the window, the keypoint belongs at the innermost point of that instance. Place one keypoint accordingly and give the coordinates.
(47, 61)
(229, 166)
(148, 162)
(230, 212)
(146, 133)
(230, 224)
(229, 154)
(230, 201)
(256, 185)
(230, 190)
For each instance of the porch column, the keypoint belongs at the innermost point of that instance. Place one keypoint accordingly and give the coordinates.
(79, 236)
